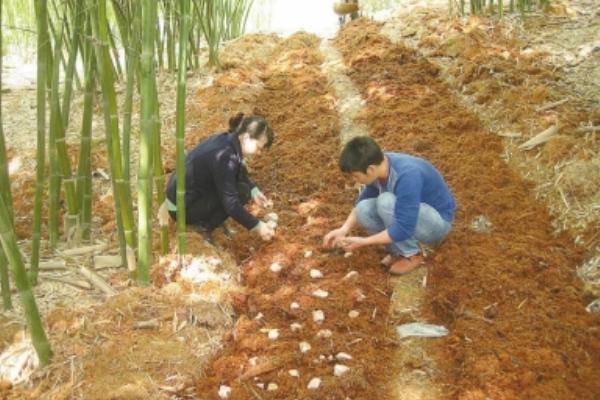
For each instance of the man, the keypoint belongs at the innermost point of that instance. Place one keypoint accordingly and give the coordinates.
(405, 201)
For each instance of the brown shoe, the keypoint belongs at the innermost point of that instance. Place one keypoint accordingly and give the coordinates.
(404, 265)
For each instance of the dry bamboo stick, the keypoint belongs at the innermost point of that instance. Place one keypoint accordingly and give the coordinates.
(540, 138)
(84, 250)
(586, 129)
(550, 106)
(107, 261)
(97, 281)
(81, 284)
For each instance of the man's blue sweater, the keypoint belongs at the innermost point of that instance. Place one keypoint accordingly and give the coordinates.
(412, 180)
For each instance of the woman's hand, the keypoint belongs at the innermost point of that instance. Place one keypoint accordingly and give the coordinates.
(265, 231)
(334, 237)
(261, 200)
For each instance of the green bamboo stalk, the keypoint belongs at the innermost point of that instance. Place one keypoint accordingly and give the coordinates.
(43, 57)
(4, 183)
(32, 315)
(169, 35)
(84, 170)
(57, 133)
(65, 25)
(5, 282)
(124, 210)
(66, 105)
(159, 174)
(54, 180)
(180, 123)
(146, 132)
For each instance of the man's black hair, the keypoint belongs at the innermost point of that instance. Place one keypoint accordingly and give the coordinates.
(359, 153)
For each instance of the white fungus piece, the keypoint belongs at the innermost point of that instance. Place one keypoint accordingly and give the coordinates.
(324, 333)
(259, 316)
(360, 296)
(294, 306)
(275, 267)
(341, 356)
(304, 347)
(320, 293)
(330, 357)
(315, 274)
(273, 334)
(318, 316)
(272, 217)
(314, 384)
(260, 385)
(272, 387)
(252, 361)
(295, 326)
(307, 253)
(294, 372)
(321, 357)
(340, 369)
(224, 391)
(347, 254)
(353, 314)
(350, 275)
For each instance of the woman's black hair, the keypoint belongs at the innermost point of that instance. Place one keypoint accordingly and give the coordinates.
(255, 125)
(359, 153)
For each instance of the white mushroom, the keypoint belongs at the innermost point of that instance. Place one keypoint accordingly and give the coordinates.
(304, 347)
(295, 326)
(294, 372)
(324, 333)
(273, 334)
(224, 391)
(353, 314)
(339, 369)
(307, 253)
(314, 383)
(343, 356)
(294, 306)
(320, 293)
(272, 387)
(315, 274)
(318, 316)
(275, 267)
(350, 275)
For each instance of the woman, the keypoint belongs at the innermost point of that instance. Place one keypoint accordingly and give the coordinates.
(216, 180)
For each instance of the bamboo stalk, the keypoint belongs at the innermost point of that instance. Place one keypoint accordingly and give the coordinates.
(125, 221)
(84, 170)
(66, 105)
(57, 132)
(180, 123)
(32, 315)
(147, 122)
(43, 54)
(4, 183)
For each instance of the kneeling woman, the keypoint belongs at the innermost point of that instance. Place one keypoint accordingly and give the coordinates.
(216, 180)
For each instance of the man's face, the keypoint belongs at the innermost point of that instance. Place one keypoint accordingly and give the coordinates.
(364, 178)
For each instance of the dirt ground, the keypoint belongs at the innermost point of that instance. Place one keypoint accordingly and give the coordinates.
(461, 93)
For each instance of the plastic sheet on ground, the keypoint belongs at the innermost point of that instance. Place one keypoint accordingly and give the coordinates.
(421, 330)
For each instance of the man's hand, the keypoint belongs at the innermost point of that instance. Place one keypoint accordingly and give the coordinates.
(333, 238)
(351, 243)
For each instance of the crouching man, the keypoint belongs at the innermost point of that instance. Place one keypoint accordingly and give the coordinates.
(405, 201)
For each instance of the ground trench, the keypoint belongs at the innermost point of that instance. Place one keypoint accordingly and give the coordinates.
(507, 295)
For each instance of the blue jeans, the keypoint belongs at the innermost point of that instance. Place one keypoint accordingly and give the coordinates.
(377, 214)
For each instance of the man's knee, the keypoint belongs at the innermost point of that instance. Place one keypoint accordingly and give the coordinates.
(385, 202)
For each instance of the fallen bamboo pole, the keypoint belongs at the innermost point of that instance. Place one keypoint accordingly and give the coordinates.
(97, 281)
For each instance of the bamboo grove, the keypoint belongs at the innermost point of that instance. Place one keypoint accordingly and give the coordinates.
(91, 47)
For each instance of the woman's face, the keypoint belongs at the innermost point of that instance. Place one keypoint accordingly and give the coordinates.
(252, 146)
